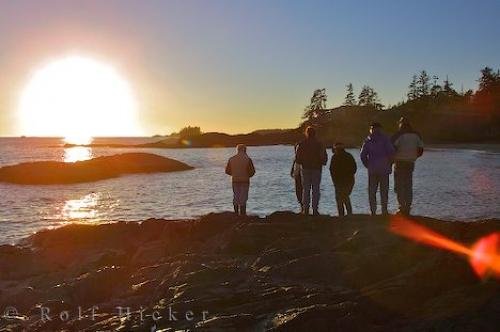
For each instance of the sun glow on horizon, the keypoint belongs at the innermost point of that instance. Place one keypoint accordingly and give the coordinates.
(78, 98)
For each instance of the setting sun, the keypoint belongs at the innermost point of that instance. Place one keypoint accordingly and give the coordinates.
(78, 98)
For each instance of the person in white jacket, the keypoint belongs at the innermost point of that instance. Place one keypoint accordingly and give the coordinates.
(409, 146)
(240, 167)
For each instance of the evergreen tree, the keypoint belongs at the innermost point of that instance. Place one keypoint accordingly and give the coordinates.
(412, 89)
(436, 88)
(369, 97)
(448, 87)
(364, 96)
(317, 108)
(350, 100)
(488, 79)
(423, 86)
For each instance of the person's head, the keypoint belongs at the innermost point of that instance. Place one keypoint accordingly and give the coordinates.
(241, 148)
(404, 123)
(338, 147)
(310, 132)
(375, 127)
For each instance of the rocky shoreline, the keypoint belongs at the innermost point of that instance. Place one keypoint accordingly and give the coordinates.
(284, 272)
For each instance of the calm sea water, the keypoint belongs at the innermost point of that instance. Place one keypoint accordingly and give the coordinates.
(452, 184)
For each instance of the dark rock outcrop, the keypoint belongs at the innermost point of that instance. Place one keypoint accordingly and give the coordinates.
(279, 273)
(54, 172)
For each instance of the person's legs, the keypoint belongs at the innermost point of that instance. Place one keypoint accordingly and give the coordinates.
(236, 197)
(298, 188)
(348, 206)
(384, 192)
(373, 181)
(409, 186)
(244, 188)
(339, 200)
(403, 184)
(316, 183)
(398, 182)
(306, 189)
(347, 199)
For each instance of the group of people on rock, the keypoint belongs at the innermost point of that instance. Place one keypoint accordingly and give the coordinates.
(378, 154)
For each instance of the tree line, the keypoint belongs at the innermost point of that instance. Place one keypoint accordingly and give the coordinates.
(423, 88)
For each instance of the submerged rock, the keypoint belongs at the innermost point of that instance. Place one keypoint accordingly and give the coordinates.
(284, 272)
(55, 172)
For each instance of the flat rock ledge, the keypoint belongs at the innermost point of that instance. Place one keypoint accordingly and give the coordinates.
(284, 272)
(55, 172)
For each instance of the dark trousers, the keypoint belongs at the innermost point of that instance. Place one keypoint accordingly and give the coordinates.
(298, 188)
(342, 193)
(403, 184)
(311, 181)
(374, 181)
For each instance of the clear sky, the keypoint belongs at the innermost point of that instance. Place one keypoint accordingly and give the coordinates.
(236, 66)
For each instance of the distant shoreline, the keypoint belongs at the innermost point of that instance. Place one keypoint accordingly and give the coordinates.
(487, 146)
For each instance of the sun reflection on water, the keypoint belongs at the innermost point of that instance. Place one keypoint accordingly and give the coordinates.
(84, 208)
(77, 153)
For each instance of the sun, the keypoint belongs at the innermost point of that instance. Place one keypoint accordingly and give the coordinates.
(78, 98)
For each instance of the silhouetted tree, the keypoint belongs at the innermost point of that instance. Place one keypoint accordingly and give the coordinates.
(350, 100)
(189, 131)
(448, 88)
(368, 97)
(423, 86)
(436, 88)
(488, 79)
(412, 89)
(317, 108)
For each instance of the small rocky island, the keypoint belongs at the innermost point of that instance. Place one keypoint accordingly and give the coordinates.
(284, 272)
(55, 172)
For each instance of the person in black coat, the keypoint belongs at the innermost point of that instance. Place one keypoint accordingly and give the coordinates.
(342, 169)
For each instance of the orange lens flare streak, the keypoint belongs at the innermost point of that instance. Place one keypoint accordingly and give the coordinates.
(483, 255)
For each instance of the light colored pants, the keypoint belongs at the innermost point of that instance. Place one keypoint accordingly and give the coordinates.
(240, 192)
(311, 180)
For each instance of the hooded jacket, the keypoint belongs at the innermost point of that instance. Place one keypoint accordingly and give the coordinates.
(377, 153)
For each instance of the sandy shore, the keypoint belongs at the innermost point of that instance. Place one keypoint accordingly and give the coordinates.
(279, 273)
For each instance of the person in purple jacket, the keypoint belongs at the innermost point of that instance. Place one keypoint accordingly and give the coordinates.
(376, 154)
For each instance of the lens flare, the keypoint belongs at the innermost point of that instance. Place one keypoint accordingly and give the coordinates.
(483, 255)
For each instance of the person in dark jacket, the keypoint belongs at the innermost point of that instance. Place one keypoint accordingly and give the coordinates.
(311, 156)
(376, 154)
(342, 169)
(295, 174)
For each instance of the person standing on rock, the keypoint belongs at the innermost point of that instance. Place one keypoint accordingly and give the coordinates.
(409, 146)
(296, 175)
(342, 169)
(376, 154)
(240, 167)
(311, 156)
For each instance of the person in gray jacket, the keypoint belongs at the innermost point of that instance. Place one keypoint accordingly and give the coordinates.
(409, 146)
(240, 168)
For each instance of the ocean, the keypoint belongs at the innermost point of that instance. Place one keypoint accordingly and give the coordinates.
(450, 184)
